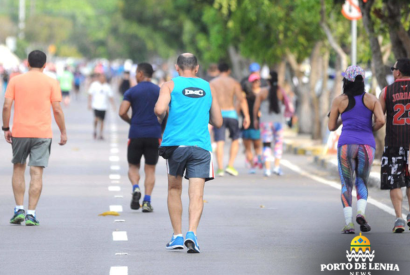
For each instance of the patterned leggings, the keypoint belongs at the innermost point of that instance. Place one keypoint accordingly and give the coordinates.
(354, 158)
(272, 132)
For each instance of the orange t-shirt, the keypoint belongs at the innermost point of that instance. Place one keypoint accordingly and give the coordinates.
(33, 93)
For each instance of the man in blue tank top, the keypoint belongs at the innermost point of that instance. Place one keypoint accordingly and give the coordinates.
(187, 144)
(144, 135)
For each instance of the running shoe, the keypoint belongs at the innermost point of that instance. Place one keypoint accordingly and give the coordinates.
(191, 242)
(18, 217)
(267, 173)
(361, 220)
(252, 171)
(31, 220)
(231, 171)
(408, 221)
(135, 202)
(220, 173)
(257, 162)
(146, 207)
(348, 229)
(277, 171)
(399, 225)
(176, 243)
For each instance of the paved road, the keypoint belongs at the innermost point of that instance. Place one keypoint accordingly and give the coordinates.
(251, 225)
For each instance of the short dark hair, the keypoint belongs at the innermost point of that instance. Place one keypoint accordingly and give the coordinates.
(403, 65)
(187, 61)
(37, 59)
(223, 67)
(146, 68)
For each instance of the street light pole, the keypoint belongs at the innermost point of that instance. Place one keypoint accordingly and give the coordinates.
(22, 18)
(354, 42)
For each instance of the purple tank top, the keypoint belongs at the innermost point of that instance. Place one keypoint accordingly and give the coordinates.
(357, 125)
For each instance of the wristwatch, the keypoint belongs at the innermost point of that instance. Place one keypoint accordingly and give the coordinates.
(5, 128)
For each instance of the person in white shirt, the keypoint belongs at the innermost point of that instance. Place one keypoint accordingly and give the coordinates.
(98, 96)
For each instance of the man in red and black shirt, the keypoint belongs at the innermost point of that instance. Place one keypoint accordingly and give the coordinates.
(395, 101)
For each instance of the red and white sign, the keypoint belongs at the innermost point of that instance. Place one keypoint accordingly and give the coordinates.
(351, 10)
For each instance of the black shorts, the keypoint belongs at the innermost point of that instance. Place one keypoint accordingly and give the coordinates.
(100, 114)
(232, 125)
(147, 147)
(65, 93)
(394, 171)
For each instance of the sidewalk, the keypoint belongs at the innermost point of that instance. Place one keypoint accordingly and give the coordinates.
(304, 145)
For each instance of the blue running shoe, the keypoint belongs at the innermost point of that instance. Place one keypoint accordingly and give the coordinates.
(191, 243)
(176, 243)
(18, 217)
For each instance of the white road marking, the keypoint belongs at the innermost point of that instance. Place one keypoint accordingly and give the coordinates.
(116, 208)
(119, 236)
(115, 167)
(338, 186)
(119, 270)
(114, 158)
(114, 145)
(119, 220)
(121, 254)
(114, 188)
(118, 196)
(114, 176)
(114, 150)
(113, 128)
(115, 182)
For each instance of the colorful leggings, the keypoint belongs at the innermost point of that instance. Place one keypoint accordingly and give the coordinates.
(272, 132)
(354, 158)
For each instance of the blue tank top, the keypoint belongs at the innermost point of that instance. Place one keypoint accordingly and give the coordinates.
(188, 119)
(357, 125)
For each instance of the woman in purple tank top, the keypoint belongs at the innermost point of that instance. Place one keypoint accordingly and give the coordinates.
(356, 144)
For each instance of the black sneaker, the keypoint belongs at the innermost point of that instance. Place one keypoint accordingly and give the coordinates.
(399, 226)
(18, 217)
(31, 221)
(135, 202)
(146, 207)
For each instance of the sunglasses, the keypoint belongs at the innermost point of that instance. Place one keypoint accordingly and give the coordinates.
(393, 69)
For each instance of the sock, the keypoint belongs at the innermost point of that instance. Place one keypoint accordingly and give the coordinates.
(18, 207)
(361, 205)
(31, 212)
(147, 198)
(135, 186)
(179, 235)
(348, 212)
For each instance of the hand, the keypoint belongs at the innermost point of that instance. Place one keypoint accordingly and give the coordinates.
(246, 122)
(256, 124)
(8, 136)
(63, 140)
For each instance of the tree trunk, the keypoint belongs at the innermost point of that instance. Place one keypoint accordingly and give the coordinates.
(236, 64)
(303, 110)
(377, 59)
(399, 37)
(325, 95)
(315, 73)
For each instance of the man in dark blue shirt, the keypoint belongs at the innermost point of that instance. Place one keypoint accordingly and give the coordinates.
(144, 135)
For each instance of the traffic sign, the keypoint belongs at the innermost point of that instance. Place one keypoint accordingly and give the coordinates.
(351, 10)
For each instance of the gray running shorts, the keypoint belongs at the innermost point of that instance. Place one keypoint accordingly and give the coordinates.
(194, 161)
(38, 149)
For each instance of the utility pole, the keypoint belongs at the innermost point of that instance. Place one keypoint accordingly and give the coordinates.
(22, 18)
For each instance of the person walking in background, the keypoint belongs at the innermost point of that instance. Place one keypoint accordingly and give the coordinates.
(356, 144)
(78, 81)
(226, 90)
(31, 134)
(212, 72)
(66, 80)
(252, 136)
(395, 102)
(144, 135)
(187, 145)
(125, 83)
(272, 103)
(98, 96)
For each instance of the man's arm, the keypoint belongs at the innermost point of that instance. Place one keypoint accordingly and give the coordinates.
(163, 101)
(124, 107)
(244, 105)
(259, 98)
(215, 115)
(382, 101)
(8, 103)
(59, 118)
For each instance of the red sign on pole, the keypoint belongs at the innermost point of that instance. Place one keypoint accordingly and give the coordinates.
(351, 10)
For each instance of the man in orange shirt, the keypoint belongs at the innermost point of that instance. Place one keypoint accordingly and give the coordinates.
(33, 94)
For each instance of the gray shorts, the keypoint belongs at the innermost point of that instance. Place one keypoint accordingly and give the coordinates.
(38, 149)
(195, 162)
